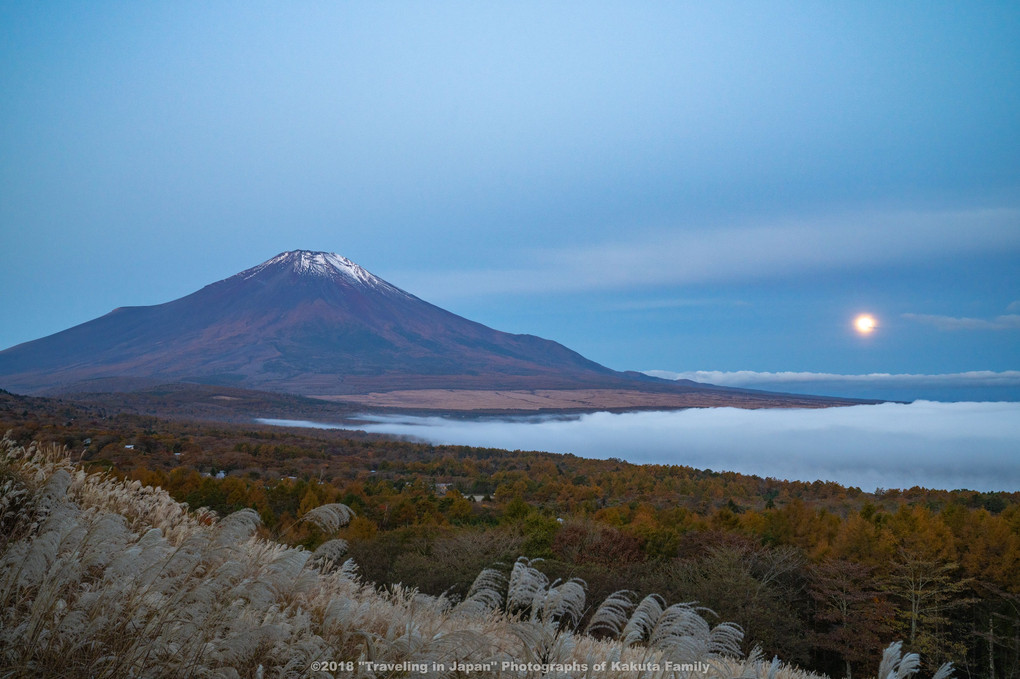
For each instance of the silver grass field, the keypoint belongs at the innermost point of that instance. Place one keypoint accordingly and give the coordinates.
(105, 578)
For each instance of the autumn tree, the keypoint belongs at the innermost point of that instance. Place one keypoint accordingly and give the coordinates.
(760, 588)
(928, 589)
(855, 617)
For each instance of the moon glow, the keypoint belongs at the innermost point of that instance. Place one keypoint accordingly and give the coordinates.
(865, 324)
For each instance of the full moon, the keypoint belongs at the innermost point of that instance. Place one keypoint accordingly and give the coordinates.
(865, 324)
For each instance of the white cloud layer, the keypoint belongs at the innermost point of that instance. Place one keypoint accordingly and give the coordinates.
(686, 254)
(935, 445)
(753, 379)
(976, 385)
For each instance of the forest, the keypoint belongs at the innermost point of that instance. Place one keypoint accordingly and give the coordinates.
(820, 575)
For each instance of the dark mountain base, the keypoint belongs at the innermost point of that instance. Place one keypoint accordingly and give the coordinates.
(231, 404)
(574, 400)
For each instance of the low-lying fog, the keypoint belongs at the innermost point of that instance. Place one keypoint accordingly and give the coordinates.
(936, 445)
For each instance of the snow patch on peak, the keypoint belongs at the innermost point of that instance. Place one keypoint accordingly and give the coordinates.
(325, 265)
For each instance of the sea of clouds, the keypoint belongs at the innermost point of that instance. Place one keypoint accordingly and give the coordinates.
(891, 445)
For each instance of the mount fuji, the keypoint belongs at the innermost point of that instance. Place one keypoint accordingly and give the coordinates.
(317, 324)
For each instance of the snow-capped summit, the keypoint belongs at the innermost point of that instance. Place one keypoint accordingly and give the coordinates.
(320, 264)
(327, 264)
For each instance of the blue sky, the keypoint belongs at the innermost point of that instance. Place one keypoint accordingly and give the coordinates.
(672, 186)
